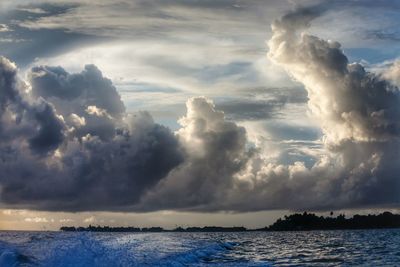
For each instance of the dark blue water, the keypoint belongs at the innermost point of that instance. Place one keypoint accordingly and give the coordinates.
(315, 248)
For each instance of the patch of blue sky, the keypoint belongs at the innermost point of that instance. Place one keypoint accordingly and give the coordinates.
(371, 55)
(132, 87)
(280, 130)
(291, 156)
(213, 73)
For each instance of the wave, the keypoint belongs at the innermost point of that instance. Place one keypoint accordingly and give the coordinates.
(12, 258)
(119, 250)
(206, 254)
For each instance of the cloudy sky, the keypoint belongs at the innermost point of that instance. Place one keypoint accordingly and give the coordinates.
(200, 112)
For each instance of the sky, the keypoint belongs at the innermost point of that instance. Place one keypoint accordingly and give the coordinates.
(222, 112)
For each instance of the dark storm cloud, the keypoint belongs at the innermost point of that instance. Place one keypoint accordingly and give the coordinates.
(55, 156)
(98, 175)
(50, 129)
(38, 119)
(87, 98)
(89, 87)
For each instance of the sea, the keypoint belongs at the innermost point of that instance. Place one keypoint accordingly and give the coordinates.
(308, 248)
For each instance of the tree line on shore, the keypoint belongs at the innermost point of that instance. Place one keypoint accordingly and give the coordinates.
(92, 228)
(295, 222)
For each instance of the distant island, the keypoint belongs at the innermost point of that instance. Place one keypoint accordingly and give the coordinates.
(295, 222)
(310, 221)
(91, 228)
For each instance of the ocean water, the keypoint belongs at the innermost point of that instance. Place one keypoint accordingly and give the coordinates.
(314, 248)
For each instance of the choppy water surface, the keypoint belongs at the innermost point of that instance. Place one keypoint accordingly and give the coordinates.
(316, 248)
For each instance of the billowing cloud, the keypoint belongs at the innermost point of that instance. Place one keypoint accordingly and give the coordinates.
(215, 151)
(358, 112)
(80, 151)
(86, 95)
(32, 121)
(89, 86)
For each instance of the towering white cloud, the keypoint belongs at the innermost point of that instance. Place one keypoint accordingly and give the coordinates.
(215, 150)
(358, 112)
(351, 103)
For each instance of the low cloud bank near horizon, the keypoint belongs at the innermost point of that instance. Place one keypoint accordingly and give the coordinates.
(67, 143)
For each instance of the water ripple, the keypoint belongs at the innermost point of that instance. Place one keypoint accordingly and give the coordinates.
(314, 248)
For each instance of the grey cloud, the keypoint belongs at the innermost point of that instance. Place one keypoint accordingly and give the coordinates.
(95, 175)
(214, 73)
(215, 151)
(115, 174)
(146, 87)
(32, 44)
(50, 129)
(284, 131)
(89, 86)
(250, 109)
(383, 35)
(42, 127)
(260, 103)
(221, 172)
(64, 26)
(76, 93)
(155, 16)
(8, 81)
(50, 163)
(294, 95)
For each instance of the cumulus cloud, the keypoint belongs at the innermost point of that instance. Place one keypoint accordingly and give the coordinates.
(222, 172)
(351, 103)
(215, 150)
(390, 72)
(357, 110)
(67, 143)
(69, 91)
(34, 122)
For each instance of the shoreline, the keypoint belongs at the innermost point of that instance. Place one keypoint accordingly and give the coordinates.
(294, 222)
